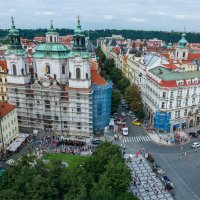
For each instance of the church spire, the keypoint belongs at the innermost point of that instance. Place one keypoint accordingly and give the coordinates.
(78, 19)
(13, 23)
(51, 24)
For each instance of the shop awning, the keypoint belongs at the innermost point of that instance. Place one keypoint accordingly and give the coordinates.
(17, 143)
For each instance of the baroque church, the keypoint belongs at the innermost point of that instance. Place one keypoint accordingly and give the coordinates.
(65, 92)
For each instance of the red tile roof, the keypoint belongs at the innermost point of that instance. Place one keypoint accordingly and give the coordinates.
(96, 77)
(165, 55)
(3, 64)
(193, 56)
(5, 108)
(170, 66)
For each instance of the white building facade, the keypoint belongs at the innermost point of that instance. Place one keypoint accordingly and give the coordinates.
(59, 94)
(9, 129)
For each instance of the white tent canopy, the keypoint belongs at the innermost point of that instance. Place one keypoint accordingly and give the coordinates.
(17, 143)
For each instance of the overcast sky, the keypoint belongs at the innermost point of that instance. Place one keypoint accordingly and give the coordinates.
(101, 14)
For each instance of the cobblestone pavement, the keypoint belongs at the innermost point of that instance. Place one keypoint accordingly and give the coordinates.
(145, 185)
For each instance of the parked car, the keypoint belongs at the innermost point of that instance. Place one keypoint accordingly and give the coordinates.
(168, 184)
(137, 123)
(196, 145)
(198, 131)
(150, 130)
(96, 141)
(165, 179)
(193, 134)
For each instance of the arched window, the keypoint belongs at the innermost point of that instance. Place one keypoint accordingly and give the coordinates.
(78, 73)
(63, 69)
(86, 75)
(48, 71)
(70, 74)
(14, 69)
(50, 38)
(183, 54)
(25, 69)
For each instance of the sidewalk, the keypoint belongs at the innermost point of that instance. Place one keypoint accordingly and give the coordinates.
(167, 139)
(145, 184)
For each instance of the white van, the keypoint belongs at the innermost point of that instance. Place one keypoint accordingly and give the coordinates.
(125, 131)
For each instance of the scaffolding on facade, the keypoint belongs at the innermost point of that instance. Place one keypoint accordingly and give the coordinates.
(101, 106)
(162, 121)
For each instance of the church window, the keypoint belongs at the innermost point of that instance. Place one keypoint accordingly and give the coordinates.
(78, 73)
(22, 71)
(25, 68)
(48, 71)
(50, 38)
(14, 69)
(63, 69)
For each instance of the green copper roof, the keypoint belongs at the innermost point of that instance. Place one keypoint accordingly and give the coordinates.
(170, 44)
(78, 31)
(16, 51)
(182, 43)
(51, 29)
(52, 47)
(51, 50)
(13, 31)
(166, 74)
(82, 54)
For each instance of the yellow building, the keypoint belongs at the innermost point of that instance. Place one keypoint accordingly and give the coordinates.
(124, 65)
(3, 73)
(9, 129)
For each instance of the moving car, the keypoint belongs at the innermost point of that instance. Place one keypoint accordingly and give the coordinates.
(137, 123)
(125, 131)
(195, 145)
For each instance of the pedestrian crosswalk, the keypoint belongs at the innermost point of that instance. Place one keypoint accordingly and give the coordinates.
(144, 138)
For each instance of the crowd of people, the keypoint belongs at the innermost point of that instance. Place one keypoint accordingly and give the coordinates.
(51, 144)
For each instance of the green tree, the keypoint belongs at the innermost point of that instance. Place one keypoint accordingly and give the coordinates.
(108, 65)
(116, 75)
(116, 97)
(117, 176)
(123, 84)
(126, 196)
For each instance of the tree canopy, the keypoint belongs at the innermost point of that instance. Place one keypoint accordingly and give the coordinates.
(104, 175)
(172, 36)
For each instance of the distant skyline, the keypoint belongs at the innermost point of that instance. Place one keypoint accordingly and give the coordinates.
(103, 14)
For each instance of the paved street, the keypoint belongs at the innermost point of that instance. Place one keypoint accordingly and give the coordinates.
(142, 138)
(180, 162)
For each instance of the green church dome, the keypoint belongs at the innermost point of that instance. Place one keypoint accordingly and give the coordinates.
(183, 42)
(51, 50)
(52, 47)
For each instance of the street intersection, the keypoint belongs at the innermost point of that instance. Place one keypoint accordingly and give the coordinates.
(180, 162)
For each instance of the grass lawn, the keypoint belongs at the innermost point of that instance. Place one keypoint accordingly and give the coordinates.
(72, 160)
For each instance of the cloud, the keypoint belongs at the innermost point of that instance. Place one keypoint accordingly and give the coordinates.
(45, 13)
(135, 19)
(108, 17)
(161, 13)
(186, 17)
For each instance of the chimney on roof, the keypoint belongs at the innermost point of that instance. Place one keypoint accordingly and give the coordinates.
(160, 71)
